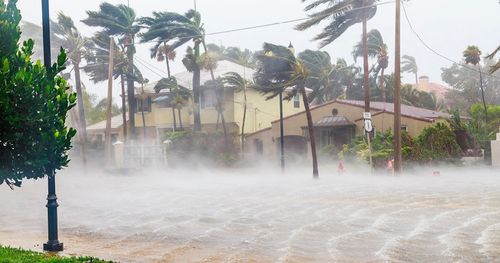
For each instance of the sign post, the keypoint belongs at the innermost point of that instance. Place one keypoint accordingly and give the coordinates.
(368, 129)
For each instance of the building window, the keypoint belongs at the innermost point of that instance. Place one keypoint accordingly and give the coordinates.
(208, 98)
(143, 104)
(404, 128)
(296, 101)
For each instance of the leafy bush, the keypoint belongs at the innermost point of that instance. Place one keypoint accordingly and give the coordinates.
(435, 143)
(438, 143)
(34, 102)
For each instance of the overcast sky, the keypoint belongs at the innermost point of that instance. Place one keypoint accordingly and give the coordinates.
(447, 26)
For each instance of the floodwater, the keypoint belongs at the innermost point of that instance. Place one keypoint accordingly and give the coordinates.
(263, 216)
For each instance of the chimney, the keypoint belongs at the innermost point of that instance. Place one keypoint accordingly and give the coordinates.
(423, 83)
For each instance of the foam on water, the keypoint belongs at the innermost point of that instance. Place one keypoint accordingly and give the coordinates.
(264, 216)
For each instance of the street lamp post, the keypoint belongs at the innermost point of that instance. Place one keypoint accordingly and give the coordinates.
(53, 243)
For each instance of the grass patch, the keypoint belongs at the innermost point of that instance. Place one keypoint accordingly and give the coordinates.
(17, 255)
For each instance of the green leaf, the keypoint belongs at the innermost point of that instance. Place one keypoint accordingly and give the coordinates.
(5, 66)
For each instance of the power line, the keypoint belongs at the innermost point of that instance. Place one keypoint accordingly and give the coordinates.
(267, 25)
(436, 52)
(151, 65)
(147, 67)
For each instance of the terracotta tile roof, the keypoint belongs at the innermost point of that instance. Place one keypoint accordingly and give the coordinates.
(333, 121)
(116, 122)
(376, 106)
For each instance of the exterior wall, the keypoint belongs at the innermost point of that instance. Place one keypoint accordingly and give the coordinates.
(162, 117)
(293, 125)
(208, 115)
(260, 112)
(265, 137)
(495, 152)
(385, 121)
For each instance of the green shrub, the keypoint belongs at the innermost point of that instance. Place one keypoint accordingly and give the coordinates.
(438, 143)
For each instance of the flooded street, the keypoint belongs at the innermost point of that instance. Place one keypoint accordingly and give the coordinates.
(261, 216)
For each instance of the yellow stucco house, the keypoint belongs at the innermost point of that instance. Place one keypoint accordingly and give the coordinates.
(336, 123)
(158, 117)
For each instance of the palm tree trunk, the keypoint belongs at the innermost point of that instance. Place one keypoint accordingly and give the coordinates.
(81, 112)
(365, 68)
(243, 121)
(168, 74)
(124, 107)
(382, 86)
(142, 113)
(416, 80)
(311, 130)
(180, 119)
(482, 94)
(130, 89)
(81, 115)
(196, 90)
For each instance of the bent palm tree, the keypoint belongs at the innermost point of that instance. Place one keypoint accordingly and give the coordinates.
(410, 66)
(238, 83)
(341, 15)
(76, 46)
(279, 69)
(120, 21)
(472, 56)
(496, 66)
(376, 49)
(97, 66)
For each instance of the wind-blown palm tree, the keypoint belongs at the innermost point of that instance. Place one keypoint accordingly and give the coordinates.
(236, 82)
(410, 66)
(98, 65)
(120, 21)
(279, 69)
(76, 46)
(376, 49)
(341, 14)
(160, 28)
(472, 55)
(495, 66)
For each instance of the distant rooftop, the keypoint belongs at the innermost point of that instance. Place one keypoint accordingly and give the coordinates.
(185, 78)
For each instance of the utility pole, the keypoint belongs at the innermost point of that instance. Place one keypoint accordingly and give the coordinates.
(397, 92)
(53, 243)
(365, 67)
(109, 101)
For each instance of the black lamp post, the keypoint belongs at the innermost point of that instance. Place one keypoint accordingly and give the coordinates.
(53, 243)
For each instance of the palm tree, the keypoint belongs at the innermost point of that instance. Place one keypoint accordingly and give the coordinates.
(410, 66)
(97, 66)
(171, 85)
(342, 14)
(496, 66)
(324, 78)
(139, 78)
(236, 82)
(376, 49)
(279, 69)
(217, 86)
(160, 29)
(472, 56)
(120, 21)
(76, 46)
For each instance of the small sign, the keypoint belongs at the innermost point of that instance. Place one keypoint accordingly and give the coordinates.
(367, 115)
(368, 125)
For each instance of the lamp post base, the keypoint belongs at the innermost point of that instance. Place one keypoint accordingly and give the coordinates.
(53, 246)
